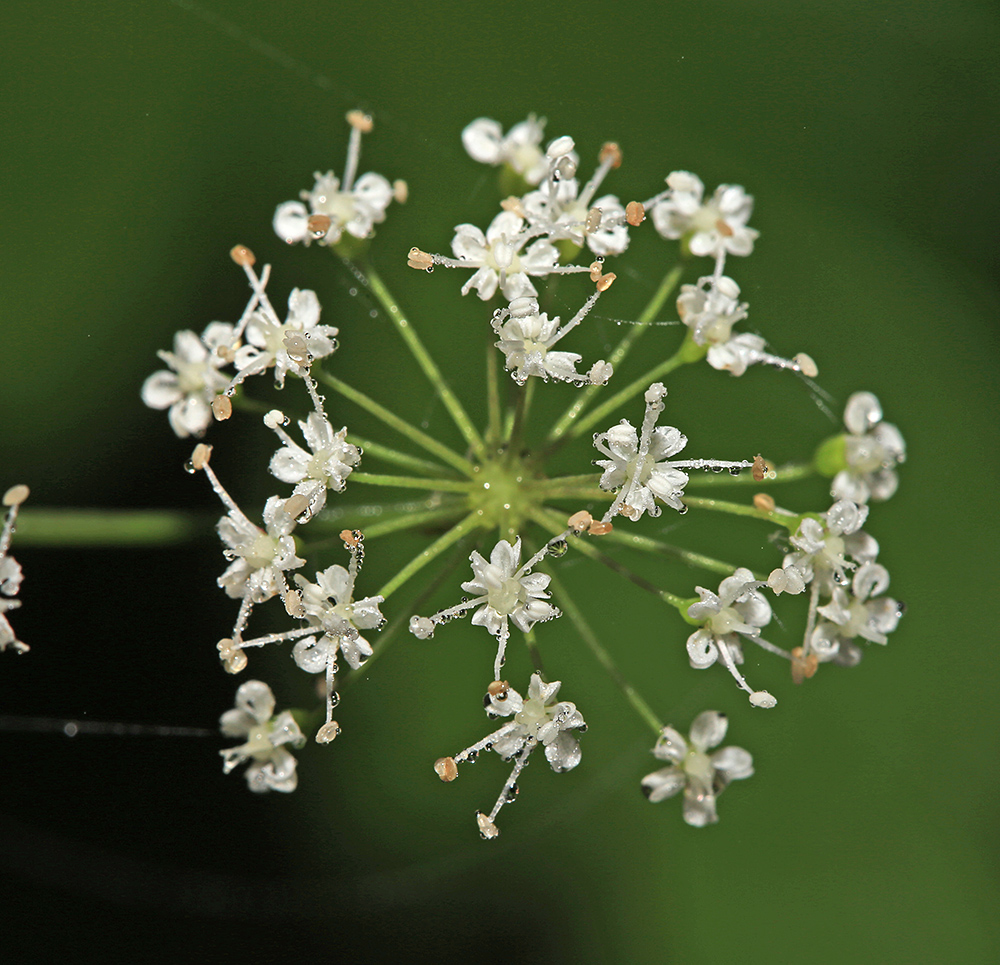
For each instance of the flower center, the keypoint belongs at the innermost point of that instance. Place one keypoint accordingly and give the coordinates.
(507, 597)
(262, 552)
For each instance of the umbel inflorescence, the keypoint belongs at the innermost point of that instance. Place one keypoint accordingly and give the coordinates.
(495, 500)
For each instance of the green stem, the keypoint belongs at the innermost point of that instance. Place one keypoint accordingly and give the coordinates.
(370, 278)
(790, 522)
(604, 658)
(463, 528)
(493, 430)
(525, 395)
(108, 527)
(630, 391)
(649, 313)
(400, 425)
(413, 482)
(413, 520)
(790, 473)
(645, 543)
(394, 456)
(550, 521)
(533, 652)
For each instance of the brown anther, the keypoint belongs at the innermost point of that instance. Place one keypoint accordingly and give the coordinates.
(610, 152)
(243, 256)
(400, 191)
(446, 768)
(226, 646)
(222, 408)
(293, 603)
(596, 270)
(318, 225)
(327, 732)
(580, 521)
(764, 502)
(236, 661)
(593, 222)
(605, 281)
(498, 689)
(806, 365)
(16, 495)
(513, 205)
(416, 258)
(296, 505)
(599, 528)
(360, 121)
(635, 213)
(723, 228)
(225, 352)
(351, 537)
(759, 470)
(201, 455)
(803, 667)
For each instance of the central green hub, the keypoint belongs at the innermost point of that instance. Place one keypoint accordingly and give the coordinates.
(501, 497)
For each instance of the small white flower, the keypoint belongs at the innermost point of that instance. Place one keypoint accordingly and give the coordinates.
(639, 464)
(10, 570)
(738, 609)
(504, 592)
(326, 464)
(272, 767)
(715, 227)
(861, 613)
(485, 142)
(539, 720)
(195, 380)
(872, 451)
(710, 309)
(335, 207)
(526, 339)
(266, 335)
(329, 605)
(702, 776)
(498, 258)
(260, 557)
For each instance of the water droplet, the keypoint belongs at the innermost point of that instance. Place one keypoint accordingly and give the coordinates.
(373, 313)
(682, 510)
(352, 292)
(189, 467)
(473, 757)
(735, 470)
(334, 697)
(558, 549)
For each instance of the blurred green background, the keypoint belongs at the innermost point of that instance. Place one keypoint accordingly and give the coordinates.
(142, 140)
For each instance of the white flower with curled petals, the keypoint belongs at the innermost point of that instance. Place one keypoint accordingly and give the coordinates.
(272, 767)
(738, 609)
(861, 613)
(539, 720)
(266, 334)
(520, 148)
(498, 258)
(639, 464)
(260, 556)
(872, 450)
(10, 570)
(504, 592)
(194, 379)
(703, 776)
(326, 464)
(715, 227)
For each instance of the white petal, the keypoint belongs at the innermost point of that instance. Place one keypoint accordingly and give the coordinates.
(708, 729)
